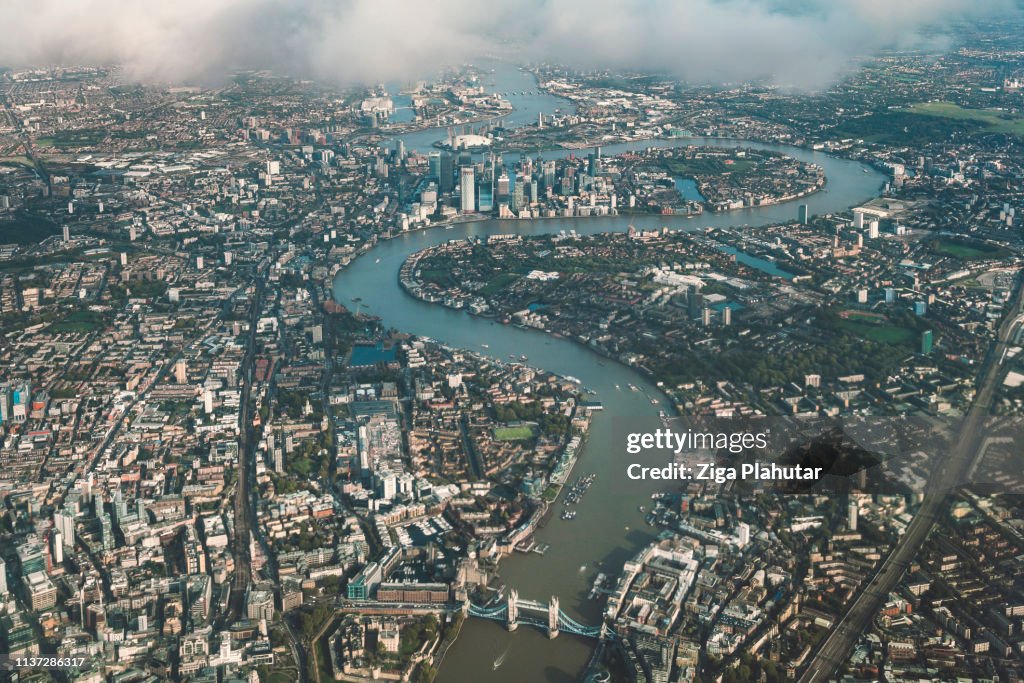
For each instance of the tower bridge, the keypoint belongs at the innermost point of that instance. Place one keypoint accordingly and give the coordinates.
(548, 617)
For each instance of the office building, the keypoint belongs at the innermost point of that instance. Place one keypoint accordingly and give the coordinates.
(467, 188)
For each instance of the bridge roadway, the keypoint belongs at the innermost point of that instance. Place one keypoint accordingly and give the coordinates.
(554, 622)
(951, 469)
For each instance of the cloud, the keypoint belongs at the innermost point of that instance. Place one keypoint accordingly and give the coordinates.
(804, 43)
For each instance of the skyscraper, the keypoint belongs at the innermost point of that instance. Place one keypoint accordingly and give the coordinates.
(851, 515)
(447, 171)
(927, 339)
(467, 186)
(518, 194)
(804, 214)
(434, 165)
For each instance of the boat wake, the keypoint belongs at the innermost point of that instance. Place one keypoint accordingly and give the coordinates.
(501, 659)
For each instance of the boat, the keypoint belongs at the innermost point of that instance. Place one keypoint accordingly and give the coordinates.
(486, 346)
(618, 388)
(377, 261)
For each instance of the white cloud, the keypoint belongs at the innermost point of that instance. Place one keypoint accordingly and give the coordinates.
(807, 43)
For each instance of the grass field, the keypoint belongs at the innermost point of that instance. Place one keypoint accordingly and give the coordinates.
(965, 250)
(500, 282)
(520, 433)
(994, 120)
(79, 321)
(878, 331)
(708, 166)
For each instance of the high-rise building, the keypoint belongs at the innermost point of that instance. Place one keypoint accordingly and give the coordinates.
(57, 547)
(858, 220)
(21, 397)
(727, 316)
(549, 176)
(445, 180)
(890, 296)
(804, 214)
(208, 396)
(181, 371)
(64, 522)
(503, 185)
(927, 340)
(5, 403)
(467, 187)
(743, 531)
(851, 515)
(67, 232)
(568, 187)
(694, 301)
(518, 194)
(873, 230)
(434, 165)
(3, 578)
(107, 531)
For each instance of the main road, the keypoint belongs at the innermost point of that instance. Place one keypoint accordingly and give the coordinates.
(951, 469)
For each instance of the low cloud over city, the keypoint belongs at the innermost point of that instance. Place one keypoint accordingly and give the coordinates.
(798, 43)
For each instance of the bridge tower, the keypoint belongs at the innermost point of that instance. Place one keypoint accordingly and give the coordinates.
(553, 617)
(512, 615)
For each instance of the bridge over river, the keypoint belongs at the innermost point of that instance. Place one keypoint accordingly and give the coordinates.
(548, 617)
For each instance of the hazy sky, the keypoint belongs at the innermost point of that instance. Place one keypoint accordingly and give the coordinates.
(804, 43)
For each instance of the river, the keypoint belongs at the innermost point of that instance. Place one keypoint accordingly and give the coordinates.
(609, 528)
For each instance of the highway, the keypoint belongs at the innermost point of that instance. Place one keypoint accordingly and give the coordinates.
(950, 470)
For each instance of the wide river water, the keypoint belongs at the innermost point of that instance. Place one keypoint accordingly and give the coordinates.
(609, 527)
